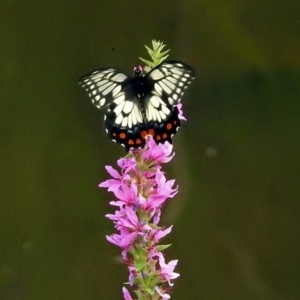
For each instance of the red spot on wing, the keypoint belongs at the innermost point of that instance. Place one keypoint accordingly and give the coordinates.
(122, 135)
(151, 132)
(169, 126)
(144, 133)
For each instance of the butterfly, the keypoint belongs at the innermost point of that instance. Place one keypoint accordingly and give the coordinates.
(139, 105)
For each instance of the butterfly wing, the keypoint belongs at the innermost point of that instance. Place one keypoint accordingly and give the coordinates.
(114, 90)
(169, 80)
(104, 85)
(167, 83)
(124, 121)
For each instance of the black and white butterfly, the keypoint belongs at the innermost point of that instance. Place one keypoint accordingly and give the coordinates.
(141, 104)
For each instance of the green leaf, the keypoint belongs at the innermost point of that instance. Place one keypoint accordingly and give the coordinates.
(156, 54)
(139, 265)
(162, 247)
(150, 290)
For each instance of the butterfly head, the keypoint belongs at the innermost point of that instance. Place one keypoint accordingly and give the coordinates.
(138, 71)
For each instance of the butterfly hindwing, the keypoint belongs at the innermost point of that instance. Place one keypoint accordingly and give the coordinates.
(124, 120)
(135, 136)
(163, 131)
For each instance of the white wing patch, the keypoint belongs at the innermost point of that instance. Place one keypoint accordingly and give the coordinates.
(103, 86)
(156, 109)
(127, 113)
(157, 89)
(119, 77)
(157, 74)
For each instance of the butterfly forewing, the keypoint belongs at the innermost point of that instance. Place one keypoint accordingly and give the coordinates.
(104, 85)
(170, 79)
(168, 82)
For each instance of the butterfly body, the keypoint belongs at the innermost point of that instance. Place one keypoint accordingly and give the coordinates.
(141, 104)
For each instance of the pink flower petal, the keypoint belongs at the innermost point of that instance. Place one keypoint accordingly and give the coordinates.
(126, 294)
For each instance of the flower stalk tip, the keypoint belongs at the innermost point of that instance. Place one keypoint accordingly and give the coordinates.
(156, 54)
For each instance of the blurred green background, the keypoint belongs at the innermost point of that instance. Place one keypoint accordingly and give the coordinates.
(236, 219)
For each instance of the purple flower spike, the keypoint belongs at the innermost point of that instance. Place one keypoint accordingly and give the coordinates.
(141, 189)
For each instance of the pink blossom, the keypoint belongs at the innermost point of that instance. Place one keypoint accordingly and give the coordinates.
(167, 269)
(180, 116)
(161, 153)
(163, 295)
(123, 240)
(159, 234)
(126, 294)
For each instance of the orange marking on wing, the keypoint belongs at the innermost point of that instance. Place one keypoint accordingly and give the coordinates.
(130, 142)
(138, 141)
(122, 135)
(114, 134)
(169, 126)
(165, 136)
(158, 138)
(144, 133)
(151, 132)
(175, 122)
